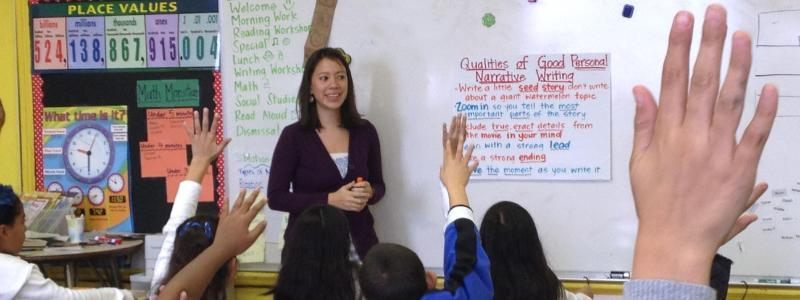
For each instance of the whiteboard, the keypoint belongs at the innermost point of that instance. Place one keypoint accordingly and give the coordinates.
(404, 57)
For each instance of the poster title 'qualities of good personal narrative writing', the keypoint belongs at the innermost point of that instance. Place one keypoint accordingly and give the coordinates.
(538, 116)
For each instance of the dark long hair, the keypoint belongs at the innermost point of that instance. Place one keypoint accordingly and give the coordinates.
(10, 205)
(317, 259)
(192, 237)
(308, 110)
(519, 266)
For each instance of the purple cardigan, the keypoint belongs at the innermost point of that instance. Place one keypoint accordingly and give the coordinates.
(301, 161)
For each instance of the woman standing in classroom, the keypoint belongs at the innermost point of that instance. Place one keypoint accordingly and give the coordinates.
(331, 155)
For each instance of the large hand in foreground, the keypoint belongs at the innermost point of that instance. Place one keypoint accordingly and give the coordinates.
(691, 180)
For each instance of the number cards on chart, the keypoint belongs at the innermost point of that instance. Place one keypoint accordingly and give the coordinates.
(124, 35)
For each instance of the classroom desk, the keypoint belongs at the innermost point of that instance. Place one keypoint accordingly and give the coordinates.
(91, 253)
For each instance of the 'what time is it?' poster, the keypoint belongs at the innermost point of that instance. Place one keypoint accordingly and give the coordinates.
(86, 153)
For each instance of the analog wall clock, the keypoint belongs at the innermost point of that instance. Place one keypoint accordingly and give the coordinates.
(89, 153)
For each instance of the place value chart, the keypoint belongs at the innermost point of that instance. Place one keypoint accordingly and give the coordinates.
(124, 35)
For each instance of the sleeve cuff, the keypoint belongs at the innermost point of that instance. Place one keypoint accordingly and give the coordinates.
(190, 185)
(445, 200)
(666, 290)
(459, 212)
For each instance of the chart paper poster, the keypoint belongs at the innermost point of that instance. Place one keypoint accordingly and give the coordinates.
(86, 153)
(164, 154)
(537, 117)
(262, 66)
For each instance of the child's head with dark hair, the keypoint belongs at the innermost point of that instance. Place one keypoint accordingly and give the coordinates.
(316, 262)
(393, 272)
(12, 221)
(192, 237)
(519, 266)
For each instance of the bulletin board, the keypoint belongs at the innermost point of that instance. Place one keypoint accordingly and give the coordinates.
(113, 83)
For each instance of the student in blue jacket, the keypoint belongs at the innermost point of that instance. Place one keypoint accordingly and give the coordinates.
(392, 271)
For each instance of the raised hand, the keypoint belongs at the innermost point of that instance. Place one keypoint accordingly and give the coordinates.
(690, 177)
(204, 144)
(203, 137)
(233, 232)
(456, 166)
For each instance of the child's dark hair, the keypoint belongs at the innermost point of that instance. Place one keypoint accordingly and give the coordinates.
(308, 110)
(192, 237)
(316, 263)
(519, 266)
(10, 205)
(392, 272)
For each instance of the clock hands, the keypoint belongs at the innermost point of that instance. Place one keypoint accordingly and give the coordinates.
(92, 145)
(89, 156)
(88, 160)
(89, 163)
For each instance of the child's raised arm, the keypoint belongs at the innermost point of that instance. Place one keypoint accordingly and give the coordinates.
(456, 165)
(204, 145)
(233, 237)
(204, 151)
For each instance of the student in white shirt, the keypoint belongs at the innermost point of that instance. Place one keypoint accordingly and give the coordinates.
(20, 279)
(187, 235)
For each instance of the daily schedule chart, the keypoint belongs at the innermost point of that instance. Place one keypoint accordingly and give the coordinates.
(124, 35)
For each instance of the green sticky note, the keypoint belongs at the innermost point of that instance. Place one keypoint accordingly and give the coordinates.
(168, 93)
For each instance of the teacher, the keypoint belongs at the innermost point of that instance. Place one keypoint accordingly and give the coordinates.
(331, 155)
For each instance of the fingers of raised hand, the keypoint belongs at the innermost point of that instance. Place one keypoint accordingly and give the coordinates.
(645, 119)
(221, 147)
(675, 74)
(250, 199)
(757, 132)
(189, 130)
(728, 108)
(705, 77)
(204, 125)
(239, 199)
(260, 227)
(468, 155)
(196, 119)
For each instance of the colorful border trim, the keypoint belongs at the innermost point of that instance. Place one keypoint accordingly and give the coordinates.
(220, 137)
(38, 111)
